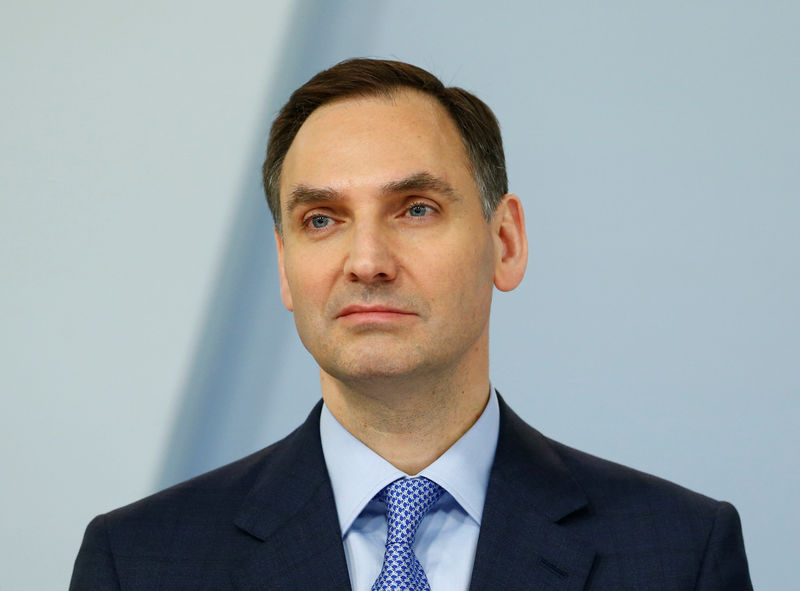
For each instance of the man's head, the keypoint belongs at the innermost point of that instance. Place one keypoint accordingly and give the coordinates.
(476, 124)
(387, 256)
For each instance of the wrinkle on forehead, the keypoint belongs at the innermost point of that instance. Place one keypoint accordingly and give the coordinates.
(335, 132)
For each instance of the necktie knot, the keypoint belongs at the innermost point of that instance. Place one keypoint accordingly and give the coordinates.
(407, 502)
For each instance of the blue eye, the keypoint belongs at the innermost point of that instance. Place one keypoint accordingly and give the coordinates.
(319, 221)
(418, 210)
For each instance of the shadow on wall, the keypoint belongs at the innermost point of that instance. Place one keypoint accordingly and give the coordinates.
(230, 387)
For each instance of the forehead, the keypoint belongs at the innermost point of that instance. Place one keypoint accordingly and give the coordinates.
(373, 139)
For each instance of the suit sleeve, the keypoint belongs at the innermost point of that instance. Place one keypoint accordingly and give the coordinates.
(94, 567)
(724, 566)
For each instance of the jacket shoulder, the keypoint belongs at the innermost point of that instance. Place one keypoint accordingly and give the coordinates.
(693, 538)
(205, 507)
(221, 488)
(616, 487)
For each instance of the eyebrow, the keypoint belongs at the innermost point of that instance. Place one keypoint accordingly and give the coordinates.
(420, 181)
(303, 195)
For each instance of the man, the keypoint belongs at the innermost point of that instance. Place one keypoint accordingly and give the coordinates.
(393, 223)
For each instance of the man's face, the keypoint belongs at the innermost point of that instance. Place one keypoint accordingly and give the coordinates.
(386, 259)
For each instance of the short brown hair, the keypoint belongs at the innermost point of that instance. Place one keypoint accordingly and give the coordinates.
(474, 120)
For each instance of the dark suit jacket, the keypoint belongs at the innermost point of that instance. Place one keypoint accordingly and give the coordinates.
(555, 519)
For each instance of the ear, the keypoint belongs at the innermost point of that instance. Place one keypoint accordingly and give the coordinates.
(511, 243)
(286, 293)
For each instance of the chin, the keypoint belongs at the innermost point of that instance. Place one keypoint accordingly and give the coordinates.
(373, 366)
(367, 370)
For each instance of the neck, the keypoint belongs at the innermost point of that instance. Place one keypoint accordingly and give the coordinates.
(409, 422)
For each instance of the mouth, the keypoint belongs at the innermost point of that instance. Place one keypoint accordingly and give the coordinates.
(373, 313)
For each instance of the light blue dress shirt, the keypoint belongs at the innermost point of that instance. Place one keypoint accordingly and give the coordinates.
(448, 536)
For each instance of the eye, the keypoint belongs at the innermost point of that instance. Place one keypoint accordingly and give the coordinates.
(419, 210)
(318, 222)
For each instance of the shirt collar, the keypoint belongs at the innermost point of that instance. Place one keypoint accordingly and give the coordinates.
(357, 473)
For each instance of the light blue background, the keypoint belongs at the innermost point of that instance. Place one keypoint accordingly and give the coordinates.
(655, 147)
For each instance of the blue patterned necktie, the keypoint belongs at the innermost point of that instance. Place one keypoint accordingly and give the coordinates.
(407, 501)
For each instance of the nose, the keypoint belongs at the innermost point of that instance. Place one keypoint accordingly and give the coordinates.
(370, 258)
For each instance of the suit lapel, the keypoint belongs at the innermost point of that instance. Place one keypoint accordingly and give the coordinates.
(521, 543)
(291, 509)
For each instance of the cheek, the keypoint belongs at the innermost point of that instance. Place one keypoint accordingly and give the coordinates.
(465, 281)
(310, 285)
(300, 284)
(307, 306)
